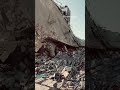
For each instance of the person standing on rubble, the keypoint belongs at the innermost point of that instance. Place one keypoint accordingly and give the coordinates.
(66, 13)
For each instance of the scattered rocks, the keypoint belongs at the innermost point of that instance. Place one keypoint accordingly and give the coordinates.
(65, 66)
(104, 71)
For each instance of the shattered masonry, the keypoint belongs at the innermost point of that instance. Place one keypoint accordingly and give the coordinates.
(60, 56)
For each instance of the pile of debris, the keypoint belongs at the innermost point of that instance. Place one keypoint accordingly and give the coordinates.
(65, 71)
(16, 77)
(102, 69)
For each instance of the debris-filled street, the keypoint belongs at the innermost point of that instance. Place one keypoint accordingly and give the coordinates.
(65, 71)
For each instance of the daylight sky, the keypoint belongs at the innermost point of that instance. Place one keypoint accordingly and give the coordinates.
(77, 8)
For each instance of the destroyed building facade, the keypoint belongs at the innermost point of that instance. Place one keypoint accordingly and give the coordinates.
(51, 26)
(60, 56)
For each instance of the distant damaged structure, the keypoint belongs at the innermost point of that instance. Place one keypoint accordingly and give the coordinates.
(52, 29)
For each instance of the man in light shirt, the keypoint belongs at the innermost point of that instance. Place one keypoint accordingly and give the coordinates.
(66, 13)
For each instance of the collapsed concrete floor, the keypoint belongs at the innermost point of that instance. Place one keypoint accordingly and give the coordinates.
(64, 71)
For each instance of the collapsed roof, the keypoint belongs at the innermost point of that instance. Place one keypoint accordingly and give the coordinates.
(51, 24)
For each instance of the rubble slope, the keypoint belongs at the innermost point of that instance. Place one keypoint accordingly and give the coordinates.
(51, 24)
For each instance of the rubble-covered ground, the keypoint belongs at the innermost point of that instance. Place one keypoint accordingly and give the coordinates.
(102, 69)
(65, 71)
(17, 72)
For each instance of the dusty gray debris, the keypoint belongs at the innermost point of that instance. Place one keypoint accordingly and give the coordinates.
(68, 65)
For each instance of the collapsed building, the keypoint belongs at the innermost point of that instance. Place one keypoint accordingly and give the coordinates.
(16, 44)
(60, 56)
(51, 27)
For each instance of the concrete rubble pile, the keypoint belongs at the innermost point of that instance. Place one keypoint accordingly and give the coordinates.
(102, 57)
(103, 69)
(66, 70)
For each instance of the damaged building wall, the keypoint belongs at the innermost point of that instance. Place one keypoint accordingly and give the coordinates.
(51, 24)
(65, 69)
